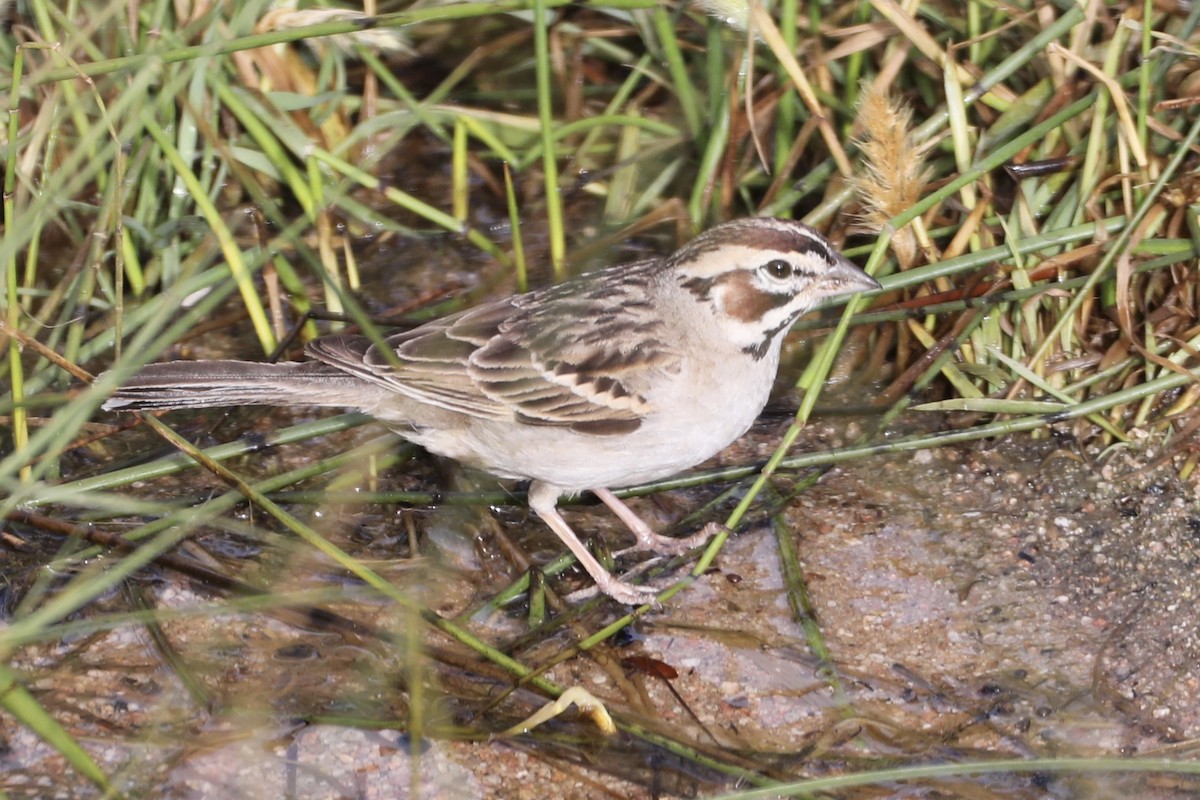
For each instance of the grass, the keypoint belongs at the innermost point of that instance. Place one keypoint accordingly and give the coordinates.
(158, 172)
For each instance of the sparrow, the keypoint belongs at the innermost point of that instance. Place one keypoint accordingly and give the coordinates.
(617, 377)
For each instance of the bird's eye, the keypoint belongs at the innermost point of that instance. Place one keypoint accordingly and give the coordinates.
(778, 269)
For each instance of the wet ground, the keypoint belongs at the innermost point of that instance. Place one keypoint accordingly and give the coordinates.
(1011, 599)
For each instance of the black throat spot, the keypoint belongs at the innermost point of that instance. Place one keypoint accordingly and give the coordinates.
(759, 349)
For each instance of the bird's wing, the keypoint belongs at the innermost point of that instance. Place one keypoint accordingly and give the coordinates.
(581, 355)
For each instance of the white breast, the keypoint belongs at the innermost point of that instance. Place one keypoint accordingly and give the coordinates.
(697, 413)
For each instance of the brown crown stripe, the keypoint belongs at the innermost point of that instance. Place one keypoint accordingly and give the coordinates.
(756, 235)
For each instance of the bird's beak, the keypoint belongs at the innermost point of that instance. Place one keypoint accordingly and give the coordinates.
(846, 278)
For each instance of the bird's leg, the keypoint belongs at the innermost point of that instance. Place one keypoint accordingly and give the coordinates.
(646, 537)
(543, 499)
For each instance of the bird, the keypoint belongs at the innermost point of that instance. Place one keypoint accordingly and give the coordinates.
(616, 377)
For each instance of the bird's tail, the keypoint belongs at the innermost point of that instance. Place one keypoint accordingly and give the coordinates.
(204, 384)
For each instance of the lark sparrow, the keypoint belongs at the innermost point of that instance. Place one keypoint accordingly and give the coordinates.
(617, 377)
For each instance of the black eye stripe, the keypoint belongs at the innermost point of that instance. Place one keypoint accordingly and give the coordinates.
(804, 273)
(780, 269)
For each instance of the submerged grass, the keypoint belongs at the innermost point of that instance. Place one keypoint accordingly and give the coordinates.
(1036, 231)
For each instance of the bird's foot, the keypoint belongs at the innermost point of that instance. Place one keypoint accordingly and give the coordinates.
(624, 593)
(670, 545)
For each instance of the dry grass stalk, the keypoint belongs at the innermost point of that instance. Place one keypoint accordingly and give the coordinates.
(285, 16)
(893, 169)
